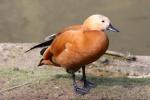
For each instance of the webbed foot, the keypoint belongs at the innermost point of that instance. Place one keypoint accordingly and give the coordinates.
(80, 90)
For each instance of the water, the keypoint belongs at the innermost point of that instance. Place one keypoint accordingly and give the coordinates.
(32, 20)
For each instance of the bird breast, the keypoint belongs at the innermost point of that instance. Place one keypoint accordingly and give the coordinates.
(96, 43)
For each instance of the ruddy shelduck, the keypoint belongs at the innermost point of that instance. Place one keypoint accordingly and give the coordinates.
(76, 46)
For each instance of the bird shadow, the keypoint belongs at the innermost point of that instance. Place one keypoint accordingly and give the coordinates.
(106, 81)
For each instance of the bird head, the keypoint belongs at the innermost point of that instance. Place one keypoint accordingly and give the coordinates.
(98, 22)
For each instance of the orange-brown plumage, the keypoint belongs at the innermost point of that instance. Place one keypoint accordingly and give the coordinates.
(73, 49)
(78, 45)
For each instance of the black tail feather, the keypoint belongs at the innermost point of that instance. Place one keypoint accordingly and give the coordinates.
(43, 44)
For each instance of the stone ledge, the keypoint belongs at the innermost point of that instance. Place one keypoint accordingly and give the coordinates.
(13, 55)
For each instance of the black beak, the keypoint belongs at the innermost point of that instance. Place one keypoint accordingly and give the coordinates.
(111, 28)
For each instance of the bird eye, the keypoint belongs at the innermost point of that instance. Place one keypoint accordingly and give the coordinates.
(103, 21)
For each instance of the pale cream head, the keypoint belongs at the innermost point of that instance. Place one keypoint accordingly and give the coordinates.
(98, 22)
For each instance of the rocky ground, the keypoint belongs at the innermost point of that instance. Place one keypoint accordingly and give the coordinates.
(116, 77)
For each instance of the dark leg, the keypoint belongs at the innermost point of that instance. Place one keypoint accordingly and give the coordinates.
(77, 89)
(87, 84)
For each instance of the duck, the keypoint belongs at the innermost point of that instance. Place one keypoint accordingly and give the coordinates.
(76, 46)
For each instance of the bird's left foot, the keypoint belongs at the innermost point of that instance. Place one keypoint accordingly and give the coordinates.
(80, 90)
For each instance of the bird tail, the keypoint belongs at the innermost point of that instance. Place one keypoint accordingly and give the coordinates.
(46, 43)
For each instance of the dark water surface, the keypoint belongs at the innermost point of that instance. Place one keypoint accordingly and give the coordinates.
(32, 20)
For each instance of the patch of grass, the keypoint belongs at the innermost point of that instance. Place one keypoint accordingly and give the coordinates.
(57, 84)
(12, 77)
(105, 81)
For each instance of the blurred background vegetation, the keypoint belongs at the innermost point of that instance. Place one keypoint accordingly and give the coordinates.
(32, 20)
